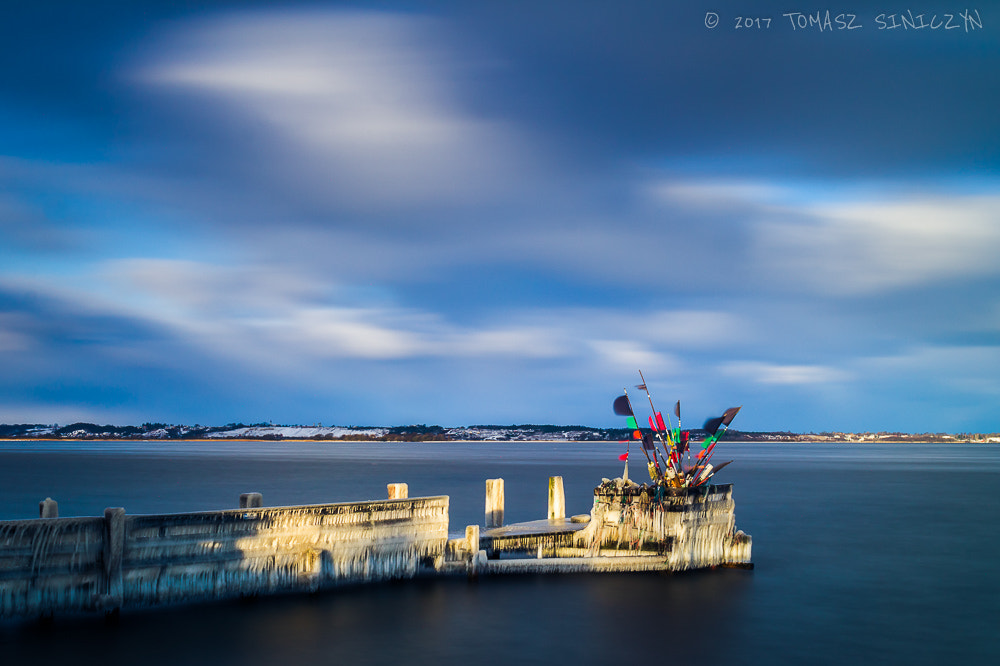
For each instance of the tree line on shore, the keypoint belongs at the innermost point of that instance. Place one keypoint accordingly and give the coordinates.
(425, 433)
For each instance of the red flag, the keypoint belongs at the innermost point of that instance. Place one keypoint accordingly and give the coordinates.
(652, 426)
(636, 435)
(623, 456)
(659, 422)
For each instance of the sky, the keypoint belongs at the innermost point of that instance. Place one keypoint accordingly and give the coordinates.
(498, 212)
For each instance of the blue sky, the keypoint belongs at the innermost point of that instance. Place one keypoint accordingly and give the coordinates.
(497, 212)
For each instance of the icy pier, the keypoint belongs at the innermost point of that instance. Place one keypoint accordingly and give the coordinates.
(66, 565)
(630, 528)
(91, 564)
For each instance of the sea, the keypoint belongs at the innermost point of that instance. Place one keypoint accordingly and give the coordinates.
(864, 554)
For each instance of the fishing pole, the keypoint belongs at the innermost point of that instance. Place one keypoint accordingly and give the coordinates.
(631, 412)
(727, 418)
(677, 411)
(651, 424)
(713, 472)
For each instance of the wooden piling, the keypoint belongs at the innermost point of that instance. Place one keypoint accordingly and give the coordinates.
(557, 499)
(472, 539)
(114, 548)
(251, 501)
(494, 503)
(48, 508)
(398, 490)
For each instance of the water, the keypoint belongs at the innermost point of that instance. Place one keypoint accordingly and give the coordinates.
(864, 553)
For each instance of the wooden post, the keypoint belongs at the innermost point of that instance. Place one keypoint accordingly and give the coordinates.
(477, 558)
(251, 501)
(472, 539)
(398, 490)
(114, 549)
(48, 508)
(494, 503)
(557, 499)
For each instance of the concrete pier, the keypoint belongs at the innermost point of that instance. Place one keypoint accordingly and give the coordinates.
(631, 528)
(118, 561)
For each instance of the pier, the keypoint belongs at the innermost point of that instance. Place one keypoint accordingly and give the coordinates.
(53, 565)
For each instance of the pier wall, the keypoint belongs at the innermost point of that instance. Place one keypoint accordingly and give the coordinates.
(692, 527)
(630, 528)
(52, 565)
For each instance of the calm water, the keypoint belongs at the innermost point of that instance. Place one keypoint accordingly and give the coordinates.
(863, 553)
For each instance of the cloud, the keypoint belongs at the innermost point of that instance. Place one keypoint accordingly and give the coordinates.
(12, 339)
(696, 328)
(713, 193)
(622, 354)
(369, 103)
(972, 370)
(847, 238)
(867, 247)
(285, 306)
(277, 321)
(791, 375)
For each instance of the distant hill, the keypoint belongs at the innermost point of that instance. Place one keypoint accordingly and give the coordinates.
(413, 433)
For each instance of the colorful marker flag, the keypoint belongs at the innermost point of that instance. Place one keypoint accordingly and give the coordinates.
(712, 425)
(662, 427)
(647, 443)
(622, 406)
(730, 414)
(623, 456)
(641, 387)
(630, 422)
(636, 435)
(677, 409)
(708, 449)
(652, 426)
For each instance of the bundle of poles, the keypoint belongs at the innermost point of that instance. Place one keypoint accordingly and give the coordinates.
(666, 462)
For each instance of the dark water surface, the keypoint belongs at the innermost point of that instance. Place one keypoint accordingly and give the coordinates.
(864, 554)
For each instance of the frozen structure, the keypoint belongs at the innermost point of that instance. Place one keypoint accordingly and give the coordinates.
(62, 565)
(92, 564)
(630, 528)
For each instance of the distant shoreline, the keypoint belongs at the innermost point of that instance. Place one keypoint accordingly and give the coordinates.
(433, 433)
(736, 438)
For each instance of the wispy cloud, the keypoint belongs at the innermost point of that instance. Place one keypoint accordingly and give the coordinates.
(369, 102)
(872, 246)
(793, 375)
(844, 239)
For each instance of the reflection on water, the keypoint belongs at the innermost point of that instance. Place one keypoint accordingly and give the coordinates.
(864, 552)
